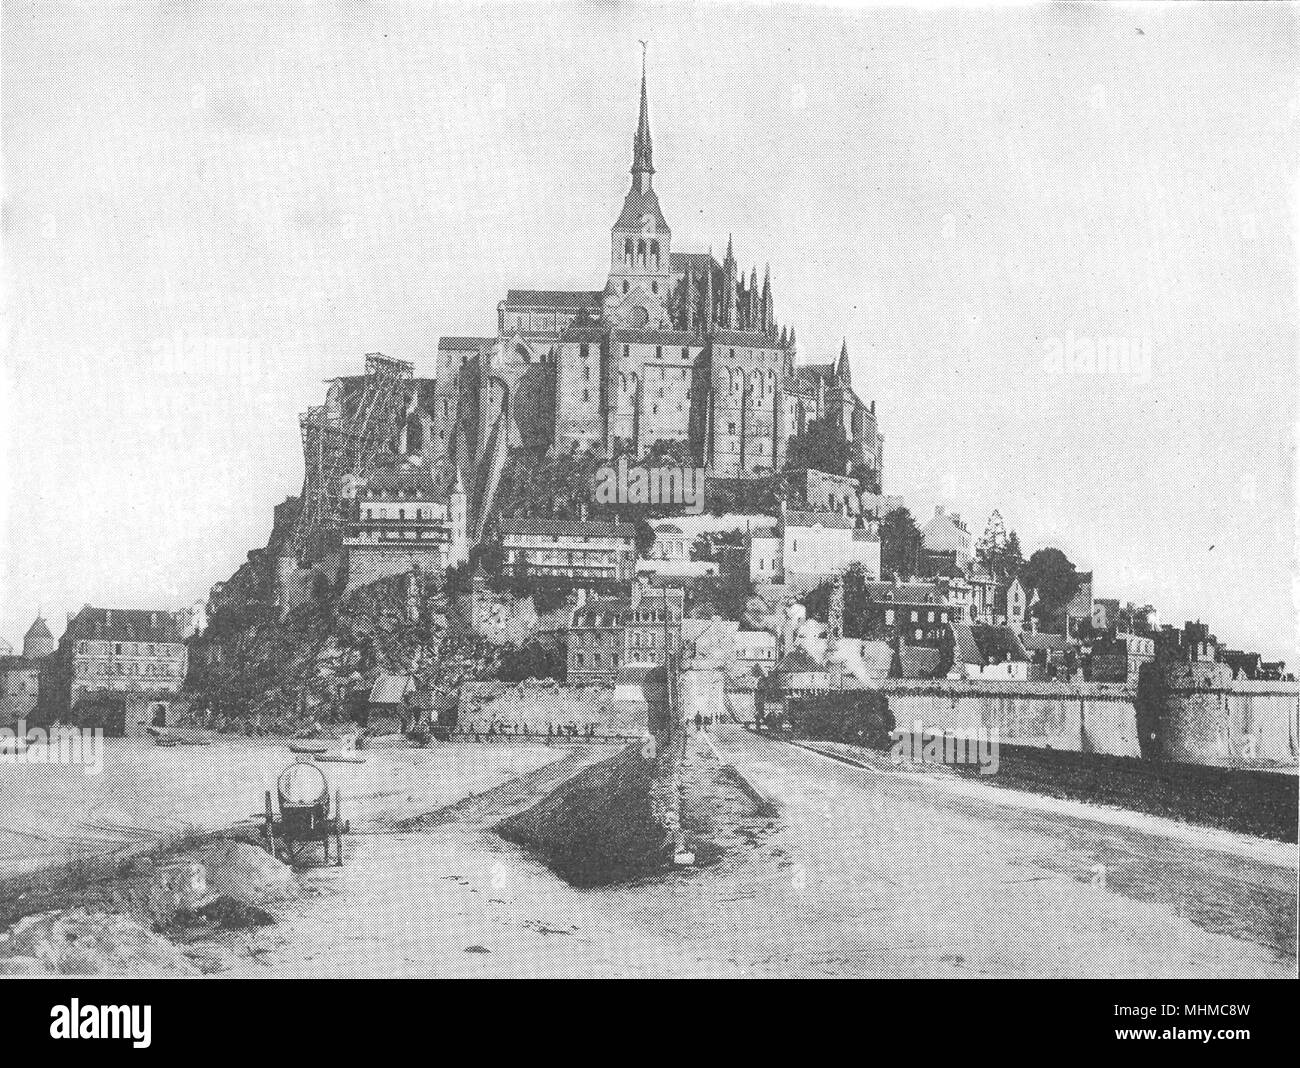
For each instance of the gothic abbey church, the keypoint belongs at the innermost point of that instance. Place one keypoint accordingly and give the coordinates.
(676, 348)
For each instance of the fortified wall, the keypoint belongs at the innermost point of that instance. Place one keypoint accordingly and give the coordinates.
(1079, 717)
(1189, 713)
(1200, 715)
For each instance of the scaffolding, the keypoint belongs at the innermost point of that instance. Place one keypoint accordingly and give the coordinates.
(340, 444)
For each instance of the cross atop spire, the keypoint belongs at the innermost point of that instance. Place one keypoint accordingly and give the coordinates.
(642, 146)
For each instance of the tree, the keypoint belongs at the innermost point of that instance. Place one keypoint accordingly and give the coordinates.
(821, 446)
(1050, 572)
(900, 544)
(858, 618)
(535, 659)
(992, 543)
(1013, 560)
(645, 538)
(999, 550)
(711, 546)
(728, 592)
(866, 477)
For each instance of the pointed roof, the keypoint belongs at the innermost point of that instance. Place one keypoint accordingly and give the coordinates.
(636, 207)
(798, 660)
(641, 202)
(842, 371)
(642, 146)
(38, 629)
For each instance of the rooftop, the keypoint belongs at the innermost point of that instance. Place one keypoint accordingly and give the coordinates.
(569, 299)
(571, 528)
(125, 624)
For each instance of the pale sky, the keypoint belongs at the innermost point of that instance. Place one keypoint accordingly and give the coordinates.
(209, 208)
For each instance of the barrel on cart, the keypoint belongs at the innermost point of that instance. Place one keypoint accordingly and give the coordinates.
(306, 816)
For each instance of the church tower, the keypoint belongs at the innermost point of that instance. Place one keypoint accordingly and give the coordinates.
(640, 270)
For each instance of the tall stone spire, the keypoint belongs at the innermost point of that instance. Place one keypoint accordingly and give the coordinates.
(768, 324)
(842, 373)
(728, 317)
(710, 315)
(642, 147)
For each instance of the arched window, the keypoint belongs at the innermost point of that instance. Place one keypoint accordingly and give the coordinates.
(654, 254)
(624, 285)
(640, 253)
(627, 252)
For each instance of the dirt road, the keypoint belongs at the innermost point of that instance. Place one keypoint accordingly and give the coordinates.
(934, 877)
(854, 873)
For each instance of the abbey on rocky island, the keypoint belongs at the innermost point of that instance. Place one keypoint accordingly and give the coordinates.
(677, 350)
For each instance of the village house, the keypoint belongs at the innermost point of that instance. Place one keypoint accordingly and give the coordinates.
(1051, 656)
(1119, 658)
(913, 612)
(20, 689)
(582, 551)
(805, 549)
(984, 651)
(755, 652)
(1105, 613)
(946, 532)
(1079, 609)
(1020, 599)
(670, 543)
(607, 634)
(125, 649)
(400, 524)
(710, 642)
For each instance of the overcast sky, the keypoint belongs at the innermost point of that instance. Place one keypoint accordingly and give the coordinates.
(211, 208)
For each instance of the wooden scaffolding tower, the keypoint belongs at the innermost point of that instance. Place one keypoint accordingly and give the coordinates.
(340, 444)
